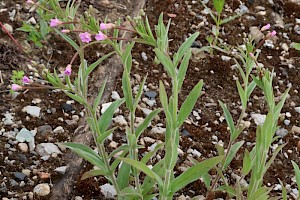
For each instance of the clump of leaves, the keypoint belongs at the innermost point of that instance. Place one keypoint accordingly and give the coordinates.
(17, 76)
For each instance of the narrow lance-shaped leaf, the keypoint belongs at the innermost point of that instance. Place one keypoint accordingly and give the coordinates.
(166, 61)
(189, 103)
(228, 118)
(139, 94)
(142, 167)
(77, 98)
(68, 39)
(184, 48)
(126, 86)
(107, 116)
(139, 130)
(86, 152)
(247, 163)
(183, 68)
(234, 149)
(193, 173)
(93, 173)
(99, 96)
(123, 175)
(297, 173)
(219, 5)
(242, 94)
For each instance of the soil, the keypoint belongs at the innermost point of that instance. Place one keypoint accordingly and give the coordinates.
(198, 134)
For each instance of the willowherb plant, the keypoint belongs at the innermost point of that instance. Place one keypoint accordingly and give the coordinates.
(122, 167)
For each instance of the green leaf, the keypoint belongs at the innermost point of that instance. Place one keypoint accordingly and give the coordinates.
(234, 149)
(219, 5)
(228, 19)
(85, 152)
(102, 137)
(166, 61)
(77, 98)
(228, 118)
(297, 173)
(220, 149)
(142, 167)
(92, 173)
(44, 28)
(95, 64)
(250, 89)
(99, 96)
(123, 175)
(184, 48)
(127, 91)
(230, 190)
(68, 39)
(130, 194)
(150, 154)
(126, 56)
(242, 94)
(247, 163)
(139, 94)
(139, 130)
(193, 173)
(107, 116)
(296, 46)
(189, 103)
(183, 68)
(284, 192)
(261, 194)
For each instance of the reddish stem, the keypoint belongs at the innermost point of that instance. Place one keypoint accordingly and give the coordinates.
(12, 37)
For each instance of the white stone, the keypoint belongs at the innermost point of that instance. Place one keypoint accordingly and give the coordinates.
(225, 58)
(8, 120)
(115, 95)
(113, 144)
(144, 56)
(42, 189)
(288, 114)
(58, 130)
(120, 120)
(61, 170)
(32, 110)
(149, 102)
(259, 119)
(108, 191)
(105, 107)
(25, 135)
(158, 130)
(297, 109)
(146, 111)
(196, 153)
(149, 139)
(23, 147)
(296, 129)
(8, 27)
(46, 149)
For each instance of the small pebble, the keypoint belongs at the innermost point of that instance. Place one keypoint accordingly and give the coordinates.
(42, 189)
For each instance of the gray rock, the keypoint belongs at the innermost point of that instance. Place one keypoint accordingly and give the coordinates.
(120, 120)
(297, 109)
(8, 27)
(13, 183)
(108, 191)
(144, 56)
(158, 130)
(61, 170)
(46, 149)
(282, 132)
(42, 189)
(23, 147)
(259, 119)
(115, 95)
(19, 175)
(25, 136)
(8, 120)
(146, 111)
(150, 94)
(58, 130)
(10, 134)
(32, 110)
(44, 129)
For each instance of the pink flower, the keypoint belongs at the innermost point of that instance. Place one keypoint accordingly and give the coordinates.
(26, 80)
(85, 37)
(265, 27)
(55, 22)
(65, 31)
(273, 33)
(104, 26)
(100, 36)
(68, 70)
(252, 55)
(16, 87)
(30, 2)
